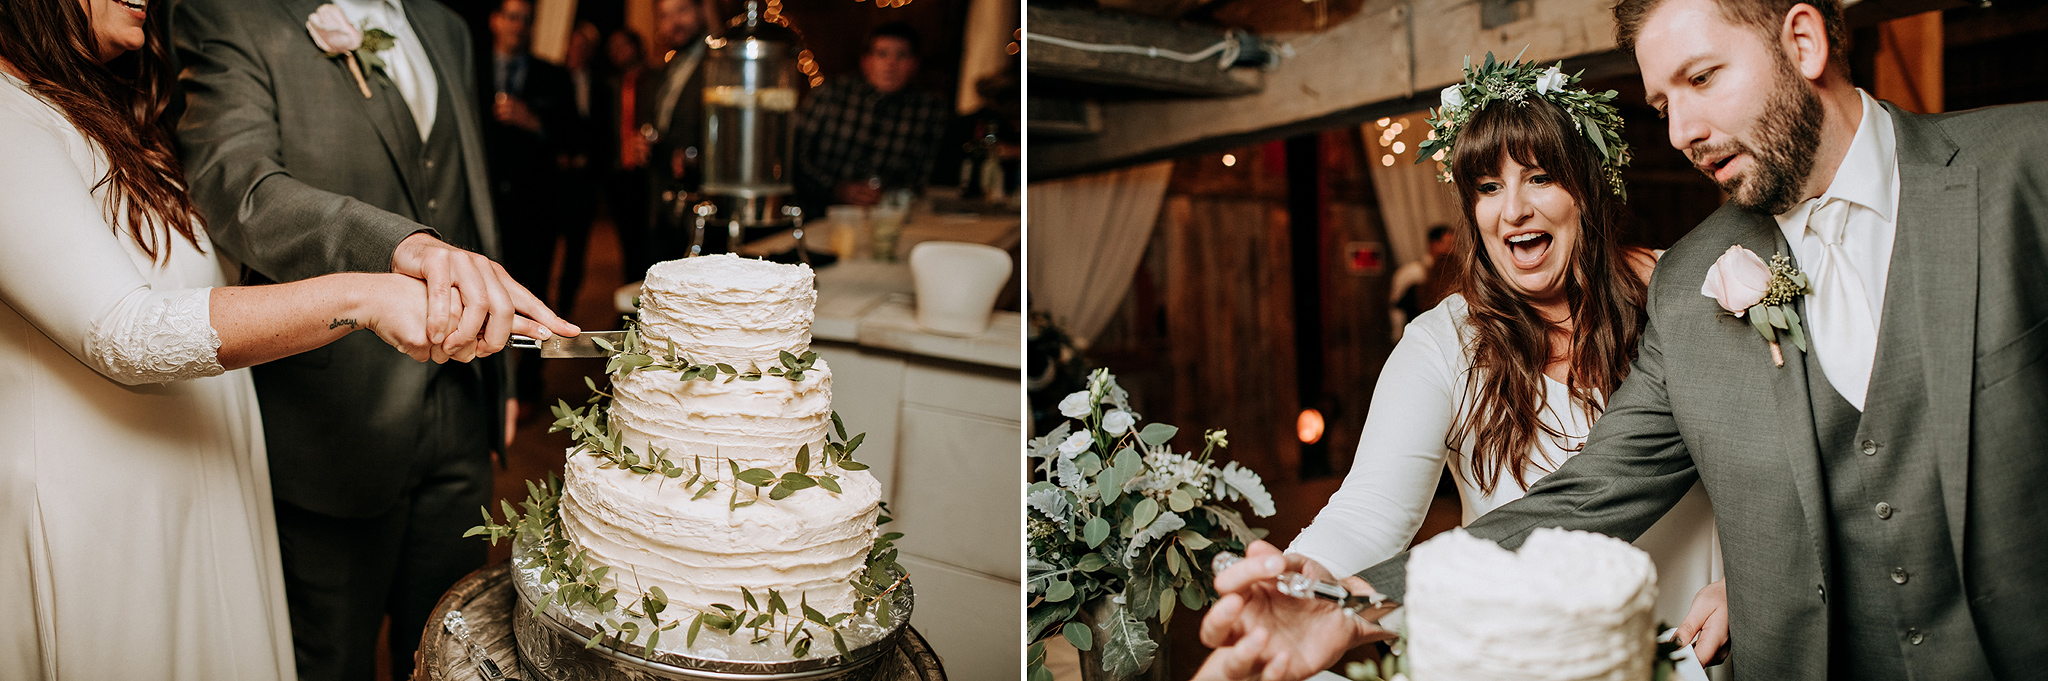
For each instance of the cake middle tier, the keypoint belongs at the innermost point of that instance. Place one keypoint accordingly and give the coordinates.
(759, 424)
(650, 532)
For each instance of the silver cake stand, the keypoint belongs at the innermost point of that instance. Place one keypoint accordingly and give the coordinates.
(551, 648)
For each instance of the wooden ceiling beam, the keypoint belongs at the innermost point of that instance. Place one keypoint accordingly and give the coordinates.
(1391, 50)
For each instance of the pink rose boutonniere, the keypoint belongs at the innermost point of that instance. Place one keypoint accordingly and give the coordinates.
(334, 35)
(1747, 287)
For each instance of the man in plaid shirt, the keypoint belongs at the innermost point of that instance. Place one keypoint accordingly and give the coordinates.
(858, 138)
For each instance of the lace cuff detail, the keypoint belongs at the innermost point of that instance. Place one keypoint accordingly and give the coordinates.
(157, 337)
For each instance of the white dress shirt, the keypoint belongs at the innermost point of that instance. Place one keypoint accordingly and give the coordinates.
(1868, 180)
(406, 63)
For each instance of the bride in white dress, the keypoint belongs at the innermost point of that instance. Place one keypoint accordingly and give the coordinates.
(136, 530)
(1499, 383)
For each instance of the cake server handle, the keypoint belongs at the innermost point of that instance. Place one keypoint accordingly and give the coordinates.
(485, 668)
(1302, 586)
(1684, 661)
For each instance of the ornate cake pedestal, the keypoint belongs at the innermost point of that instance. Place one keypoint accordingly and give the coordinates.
(489, 602)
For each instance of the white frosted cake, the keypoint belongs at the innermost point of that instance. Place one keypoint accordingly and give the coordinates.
(654, 531)
(1568, 606)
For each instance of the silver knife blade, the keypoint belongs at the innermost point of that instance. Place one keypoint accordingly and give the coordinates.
(563, 347)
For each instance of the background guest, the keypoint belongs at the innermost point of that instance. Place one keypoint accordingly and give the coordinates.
(625, 162)
(530, 104)
(581, 153)
(671, 113)
(1420, 285)
(860, 137)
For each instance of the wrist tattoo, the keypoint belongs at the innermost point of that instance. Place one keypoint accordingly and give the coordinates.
(338, 323)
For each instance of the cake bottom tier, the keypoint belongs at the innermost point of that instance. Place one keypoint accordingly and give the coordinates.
(648, 530)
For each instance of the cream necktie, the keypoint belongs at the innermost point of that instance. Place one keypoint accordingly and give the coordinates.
(399, 65)
(1842, 324)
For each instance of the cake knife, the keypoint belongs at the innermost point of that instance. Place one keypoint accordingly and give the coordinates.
(580, 345)
(1303, 586)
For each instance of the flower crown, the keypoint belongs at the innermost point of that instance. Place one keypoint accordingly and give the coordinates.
(1515, 81)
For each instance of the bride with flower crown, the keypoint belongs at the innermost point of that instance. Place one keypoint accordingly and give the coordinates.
(1501, 382)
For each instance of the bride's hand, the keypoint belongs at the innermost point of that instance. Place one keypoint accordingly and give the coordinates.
(1260, 633)
(394, 307)
(1706, 624)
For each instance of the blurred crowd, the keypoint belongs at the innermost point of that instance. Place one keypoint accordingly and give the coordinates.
(610, 133)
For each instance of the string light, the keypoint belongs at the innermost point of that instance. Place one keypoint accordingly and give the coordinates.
(1387, 160)
(1229, 160)
(1400, 147)
(1383, 122)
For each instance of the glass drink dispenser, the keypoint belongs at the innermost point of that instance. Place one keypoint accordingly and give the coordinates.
(750, 99)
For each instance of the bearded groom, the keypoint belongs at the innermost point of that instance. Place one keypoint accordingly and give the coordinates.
(1875, 491)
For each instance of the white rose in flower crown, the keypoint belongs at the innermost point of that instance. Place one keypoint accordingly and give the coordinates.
(1452, 98)
(1118, 421)
(1076, 405)
(1552, 80)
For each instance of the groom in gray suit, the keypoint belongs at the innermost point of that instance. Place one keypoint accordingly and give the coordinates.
(378, 460)
(1878, 498)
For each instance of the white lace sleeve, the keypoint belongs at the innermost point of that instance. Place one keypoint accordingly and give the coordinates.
(65, 270)
(155, 337)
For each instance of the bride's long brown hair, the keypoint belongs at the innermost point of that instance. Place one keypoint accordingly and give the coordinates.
(1511, 341)
(118, 105)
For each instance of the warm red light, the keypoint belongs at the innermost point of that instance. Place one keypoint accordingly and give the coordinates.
(1309, 426)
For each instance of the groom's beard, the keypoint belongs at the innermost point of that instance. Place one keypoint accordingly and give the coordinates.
(1786, 135)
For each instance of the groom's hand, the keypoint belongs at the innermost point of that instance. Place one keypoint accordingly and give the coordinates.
(1260, 633)
(473, 305)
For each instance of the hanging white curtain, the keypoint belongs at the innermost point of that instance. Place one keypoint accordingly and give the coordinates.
(1086, 238)
(1411, 200)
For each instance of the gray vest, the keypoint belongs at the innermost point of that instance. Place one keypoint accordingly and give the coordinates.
(440, 199)
(440, 191)
(1896, 603)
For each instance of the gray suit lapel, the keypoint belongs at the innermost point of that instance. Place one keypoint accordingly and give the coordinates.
(452, 72)
(1791, 410)
(1937, 224)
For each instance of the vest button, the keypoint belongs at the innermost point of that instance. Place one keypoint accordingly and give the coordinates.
(1823, 591)
(1870, 448)
(430, 164)
(1914, 636)
(1899, 575)
(433, 204)
(1884, 511)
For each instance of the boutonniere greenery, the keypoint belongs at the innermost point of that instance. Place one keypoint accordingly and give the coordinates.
(1747, 287)
(342, 40)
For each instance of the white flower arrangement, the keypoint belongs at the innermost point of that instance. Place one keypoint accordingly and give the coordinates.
(1118, 518)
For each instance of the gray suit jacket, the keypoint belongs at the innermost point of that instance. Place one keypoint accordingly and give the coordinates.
(298, 176)
(1704, 402)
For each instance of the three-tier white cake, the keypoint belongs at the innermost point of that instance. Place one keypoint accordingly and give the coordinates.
(701, 549)
(1568, 606)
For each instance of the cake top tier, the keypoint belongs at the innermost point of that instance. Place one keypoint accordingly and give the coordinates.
(725, 308)
(1560, 572)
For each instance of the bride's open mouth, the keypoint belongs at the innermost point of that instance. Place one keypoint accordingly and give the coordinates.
(1528, 249)
(137, 6)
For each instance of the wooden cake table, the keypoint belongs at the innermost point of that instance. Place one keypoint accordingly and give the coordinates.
(488, 602)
